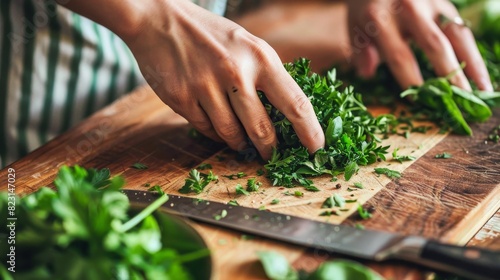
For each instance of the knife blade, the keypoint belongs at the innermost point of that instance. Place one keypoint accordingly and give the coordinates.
(476, 263)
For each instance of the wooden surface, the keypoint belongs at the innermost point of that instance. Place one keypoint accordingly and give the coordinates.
(446, 199)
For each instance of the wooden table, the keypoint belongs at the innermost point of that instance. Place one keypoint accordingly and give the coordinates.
(455, 200)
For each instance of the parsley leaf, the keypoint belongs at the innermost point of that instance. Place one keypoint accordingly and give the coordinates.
(388, 172)
(241, 190)
(139, 165)
(197, 181)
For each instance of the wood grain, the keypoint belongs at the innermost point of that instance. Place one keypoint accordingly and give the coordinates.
(448, 199)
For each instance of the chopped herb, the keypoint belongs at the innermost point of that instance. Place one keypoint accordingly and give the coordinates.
(298, 194)
(241, 190)
(147, 185)
(351, 189)
(204, 166)
(329, 213)
(222, 215)
(388, 172)
(260, 172)
(139, 165)
(334, 200)
(233, 202)
(275, 201)
(350, 200)
(334, 179)
(359, 226)
(262, 208)
(494, 134)
(197, 181)
(253, 185)
(359, 185)
(237, 175)
(401, 158)
(443, 156)
(363, 213)
(311, 188)
(157, 189)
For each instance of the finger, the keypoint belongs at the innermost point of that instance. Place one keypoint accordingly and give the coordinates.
(284, 93)
(367, 61)
(200, 121)
(464, 44)
(438, 50)
(397, 54)
(252, 114)
(224, 121)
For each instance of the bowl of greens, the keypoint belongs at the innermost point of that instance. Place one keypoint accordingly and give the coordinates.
(88, 229)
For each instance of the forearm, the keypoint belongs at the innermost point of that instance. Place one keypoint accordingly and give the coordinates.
(123, 17)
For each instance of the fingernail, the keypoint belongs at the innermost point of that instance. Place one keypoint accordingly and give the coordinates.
(485, 84)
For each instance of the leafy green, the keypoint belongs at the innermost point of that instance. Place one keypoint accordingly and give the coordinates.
(388, 172)
(197, 181)
(241, 190)
(83, 231)
(275, 201)
(253, 185)
(233, 202)
(401, 158)
(334, 200)
(234, 176)
(276, 267)
(443, 155)
(363, 213)
(351, 132)
(139, 165)
(359, 185)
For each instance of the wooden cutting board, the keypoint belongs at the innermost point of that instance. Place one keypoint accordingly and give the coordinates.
(447, 199)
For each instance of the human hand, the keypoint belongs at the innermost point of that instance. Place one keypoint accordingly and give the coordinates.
(208, 69)
(380, 29)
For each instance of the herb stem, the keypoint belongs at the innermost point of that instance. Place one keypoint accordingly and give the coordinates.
(144, 213)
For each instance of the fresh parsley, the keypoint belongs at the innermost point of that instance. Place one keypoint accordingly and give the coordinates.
(388, 172)
(241, 190)
(197, 181)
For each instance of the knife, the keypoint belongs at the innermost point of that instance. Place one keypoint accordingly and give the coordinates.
(366, 244)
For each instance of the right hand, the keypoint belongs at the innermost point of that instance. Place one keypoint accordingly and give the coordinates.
(208, 69)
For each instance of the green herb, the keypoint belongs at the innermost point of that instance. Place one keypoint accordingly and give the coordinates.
(139, 165)
(253, 185)
(359, 226)
(334, 200)
(233, 202)
(83, 231)
(443, 156)
(388, 172)
(401, 158)
(276, 267)
(157, 189)
(197, 181)
(241, 190)
(350, 200)
(260, 172)
(262, 208)
(311, 188)
(222, 215)
(275, 201)
(204, 166)
(351, 132)
(494, 135)
(237, 175)
(363, 213)
(329, 213)
(298, 194)
(359, 185)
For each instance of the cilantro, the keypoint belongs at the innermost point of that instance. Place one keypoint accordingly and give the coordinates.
(443, 156)
(139, 165)
(252, 185)
(241, 190)
(204, 166)
(197, 181)
(86, 224)
(388, 172)
(401, 158)
(275, 201)
(363, 213)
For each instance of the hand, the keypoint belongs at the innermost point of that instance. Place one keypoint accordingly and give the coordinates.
(208, 69)
(379, 30)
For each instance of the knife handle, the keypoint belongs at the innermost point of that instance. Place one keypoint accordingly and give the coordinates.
(472, 261)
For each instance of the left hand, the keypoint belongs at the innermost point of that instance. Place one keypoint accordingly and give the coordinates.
(380, 29)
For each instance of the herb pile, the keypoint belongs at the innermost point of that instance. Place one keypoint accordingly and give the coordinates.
(83, 231)
(351, 132)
